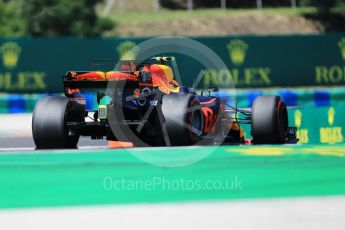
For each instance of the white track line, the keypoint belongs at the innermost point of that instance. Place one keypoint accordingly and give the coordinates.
(288, 213)
(4, 150)
(31, 149)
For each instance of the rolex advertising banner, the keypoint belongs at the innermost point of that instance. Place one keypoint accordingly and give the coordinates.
(325, 128)
(280, 61)
(35, 65)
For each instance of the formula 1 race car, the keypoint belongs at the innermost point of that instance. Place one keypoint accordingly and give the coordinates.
(141, 102)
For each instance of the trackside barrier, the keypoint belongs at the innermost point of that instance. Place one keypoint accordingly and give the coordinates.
(322, 97)
(317, 113)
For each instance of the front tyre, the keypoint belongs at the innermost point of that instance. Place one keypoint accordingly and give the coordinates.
(269, 120)
(49, 128)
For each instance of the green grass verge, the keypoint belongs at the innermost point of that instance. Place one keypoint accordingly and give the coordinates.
(167, 15)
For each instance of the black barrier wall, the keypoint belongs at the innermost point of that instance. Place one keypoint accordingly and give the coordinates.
(36, 65)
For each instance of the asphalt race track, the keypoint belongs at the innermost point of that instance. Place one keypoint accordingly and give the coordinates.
(15, 133)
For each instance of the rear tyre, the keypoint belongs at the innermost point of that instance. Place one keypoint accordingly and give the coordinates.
(49, 127)
(269, 120)
(183, 120)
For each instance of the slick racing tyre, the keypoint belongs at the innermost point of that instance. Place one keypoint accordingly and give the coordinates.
(183, 119)
(49, 127)
(269, 120)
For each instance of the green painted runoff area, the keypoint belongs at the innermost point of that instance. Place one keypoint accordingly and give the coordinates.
(104, 176)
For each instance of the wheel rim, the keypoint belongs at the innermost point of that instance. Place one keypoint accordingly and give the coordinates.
(196, 124)
(283, 120)
(194, 121)
(71, 138)
(197, 120)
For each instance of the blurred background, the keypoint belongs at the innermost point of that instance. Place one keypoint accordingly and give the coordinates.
(293, 48)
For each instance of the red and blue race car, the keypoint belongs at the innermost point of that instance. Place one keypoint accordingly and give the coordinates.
(142, 102)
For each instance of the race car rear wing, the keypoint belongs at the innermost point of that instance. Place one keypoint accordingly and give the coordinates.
(128, 70)
(96, 79)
